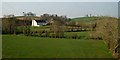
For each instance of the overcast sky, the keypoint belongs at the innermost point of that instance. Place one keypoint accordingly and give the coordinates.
(70, 9)
(60, 0)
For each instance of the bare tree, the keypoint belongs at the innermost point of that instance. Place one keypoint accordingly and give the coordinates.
(9, 25)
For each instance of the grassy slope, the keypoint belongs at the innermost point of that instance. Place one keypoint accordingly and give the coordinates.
(40, 47)
(86, 19)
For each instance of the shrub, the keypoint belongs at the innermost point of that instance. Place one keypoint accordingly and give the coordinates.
(74, 36)
(95, 35)
(107, 29)
(52, 35)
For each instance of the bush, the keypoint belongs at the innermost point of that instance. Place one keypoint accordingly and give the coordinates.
(107, 29)
(74, 36)
(95, 35)
(52, 35)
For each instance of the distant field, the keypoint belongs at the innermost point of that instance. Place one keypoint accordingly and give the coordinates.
(86, 19)
(40, 28)
(79, 33)
(42, 47)
(35, 28)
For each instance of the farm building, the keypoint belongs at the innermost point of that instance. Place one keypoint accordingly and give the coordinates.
(39, 22)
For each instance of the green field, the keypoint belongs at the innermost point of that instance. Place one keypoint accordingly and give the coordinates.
(86, 19)
(78, 33)
(19, 46)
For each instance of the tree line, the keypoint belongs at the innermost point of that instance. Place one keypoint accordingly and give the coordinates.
(107, 29)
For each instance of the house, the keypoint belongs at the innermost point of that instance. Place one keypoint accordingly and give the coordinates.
(39, 22)
(34, 23)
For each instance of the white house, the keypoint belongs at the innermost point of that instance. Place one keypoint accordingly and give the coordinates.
(34, 23)
(38, 23)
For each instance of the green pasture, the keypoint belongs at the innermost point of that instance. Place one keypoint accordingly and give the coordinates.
(20, 46)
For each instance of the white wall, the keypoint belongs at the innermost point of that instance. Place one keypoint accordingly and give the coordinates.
(34, 23)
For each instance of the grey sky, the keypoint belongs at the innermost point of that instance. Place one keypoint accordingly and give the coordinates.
(70, 9)
(60, 0)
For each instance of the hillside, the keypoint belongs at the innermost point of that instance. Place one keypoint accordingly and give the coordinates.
(87, 19)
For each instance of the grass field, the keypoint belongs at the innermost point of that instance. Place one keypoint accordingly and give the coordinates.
(86, 19)
(43, 47)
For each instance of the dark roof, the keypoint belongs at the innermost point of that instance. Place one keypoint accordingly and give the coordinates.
(40, 20)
